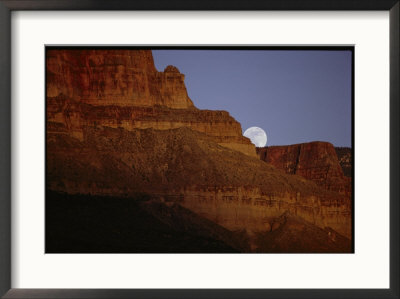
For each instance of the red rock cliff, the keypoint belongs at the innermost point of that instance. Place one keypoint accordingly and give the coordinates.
(114, 77)
(122, 88)
(315, 161)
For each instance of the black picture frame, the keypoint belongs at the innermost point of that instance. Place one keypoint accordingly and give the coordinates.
(7, 6)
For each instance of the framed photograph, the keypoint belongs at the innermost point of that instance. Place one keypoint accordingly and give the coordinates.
(219, 150)
(197, 181)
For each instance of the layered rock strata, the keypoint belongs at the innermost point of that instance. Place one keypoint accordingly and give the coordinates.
(122, 88)
(315, 161)
(114, 77)
(181, 165)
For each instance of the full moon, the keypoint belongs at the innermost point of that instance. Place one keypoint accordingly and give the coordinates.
(257, 136)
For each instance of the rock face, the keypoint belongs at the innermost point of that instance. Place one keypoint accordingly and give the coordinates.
(114, 77)
(315, 161)
(181, 165)
(138, 132)
(345, 159)
(122, 88)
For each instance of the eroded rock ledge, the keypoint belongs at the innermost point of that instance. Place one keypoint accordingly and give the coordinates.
(123, 89)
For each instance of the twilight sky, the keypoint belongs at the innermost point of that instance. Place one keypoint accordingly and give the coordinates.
(295, 96)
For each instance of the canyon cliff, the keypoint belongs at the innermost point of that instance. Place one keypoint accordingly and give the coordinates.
(315, 161)
(117, 127)
(123, 89)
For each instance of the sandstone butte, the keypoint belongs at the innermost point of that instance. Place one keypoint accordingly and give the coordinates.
(316, 161)
(123, 89)
(117, 127)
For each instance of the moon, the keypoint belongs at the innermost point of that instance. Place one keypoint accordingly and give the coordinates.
(257, 136)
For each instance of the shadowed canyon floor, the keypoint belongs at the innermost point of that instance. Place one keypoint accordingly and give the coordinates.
(139, 224)
(130, 225)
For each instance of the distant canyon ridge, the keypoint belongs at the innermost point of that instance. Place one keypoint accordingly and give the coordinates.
(118, 127)
(320, 162)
